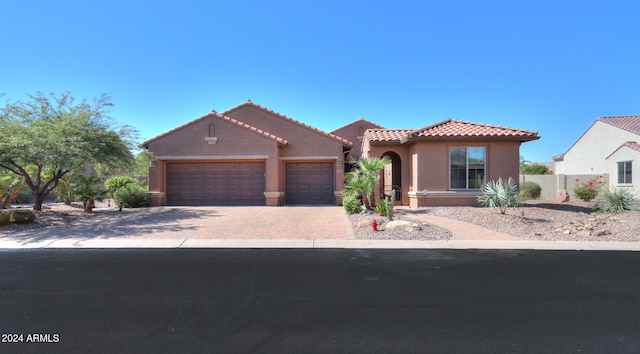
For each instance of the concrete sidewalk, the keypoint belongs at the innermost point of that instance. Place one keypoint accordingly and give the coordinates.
(321, 243)
(262, 227)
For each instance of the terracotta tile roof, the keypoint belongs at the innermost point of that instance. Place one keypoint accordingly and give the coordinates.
(387, 134)
(453, 128)
(279, 140)
(628, 123)
(249, 103)
(460, 128)
(630, 144)
(358, 121)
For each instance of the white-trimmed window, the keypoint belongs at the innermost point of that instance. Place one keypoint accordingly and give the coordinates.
(624, 172)
(467, 167)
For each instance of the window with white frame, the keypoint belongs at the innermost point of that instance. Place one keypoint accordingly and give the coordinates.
(467, 167)
(624, 172)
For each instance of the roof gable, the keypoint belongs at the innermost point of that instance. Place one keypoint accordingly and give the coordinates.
(630, 144)
(358, 121)
(279, 140)
(249, 103)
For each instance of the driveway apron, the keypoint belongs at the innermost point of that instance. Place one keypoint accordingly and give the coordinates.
(299, 222)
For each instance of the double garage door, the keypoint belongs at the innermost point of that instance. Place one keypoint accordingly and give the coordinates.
(215, 183)
(243, 183)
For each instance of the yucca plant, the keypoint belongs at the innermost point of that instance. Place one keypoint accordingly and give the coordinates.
(618, 200)
(501, 194)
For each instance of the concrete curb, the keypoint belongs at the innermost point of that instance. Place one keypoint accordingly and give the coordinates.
(322, 244)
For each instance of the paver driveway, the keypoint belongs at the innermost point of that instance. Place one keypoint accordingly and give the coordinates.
(287, 222)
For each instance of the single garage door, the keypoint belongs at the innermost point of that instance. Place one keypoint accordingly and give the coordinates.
(309, 183)
(215, 183)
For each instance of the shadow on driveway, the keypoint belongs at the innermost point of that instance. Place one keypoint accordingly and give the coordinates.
(105, 224)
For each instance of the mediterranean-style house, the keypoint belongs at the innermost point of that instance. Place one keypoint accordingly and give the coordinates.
(611, 145)
(251, 155)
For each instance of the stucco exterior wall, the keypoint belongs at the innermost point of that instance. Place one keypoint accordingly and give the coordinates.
(231, 140)
(232, 143)
(588, 154)
(405, 167)
(425, 166)
(212, 138)
(302, 140)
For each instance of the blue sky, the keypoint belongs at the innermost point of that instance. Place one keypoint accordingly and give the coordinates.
(551, 66)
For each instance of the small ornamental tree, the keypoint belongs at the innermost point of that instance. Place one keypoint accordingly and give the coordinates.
(52, 136)
(364, 176)
(589, 190)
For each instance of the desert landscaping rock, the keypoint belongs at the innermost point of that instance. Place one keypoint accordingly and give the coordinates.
(402, 225)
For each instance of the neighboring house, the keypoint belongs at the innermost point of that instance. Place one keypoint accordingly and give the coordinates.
(250, 155)
(448, 162)
(247, 155)
(611, 145)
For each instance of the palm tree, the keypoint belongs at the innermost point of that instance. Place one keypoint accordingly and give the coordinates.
(364, 176)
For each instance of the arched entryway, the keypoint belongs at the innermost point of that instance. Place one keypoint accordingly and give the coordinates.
(392, 176)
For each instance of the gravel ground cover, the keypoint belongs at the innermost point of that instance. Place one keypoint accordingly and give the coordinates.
(536, 220)
(362, 229)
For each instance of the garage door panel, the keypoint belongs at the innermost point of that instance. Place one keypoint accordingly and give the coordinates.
(309, 183)
(215, 183)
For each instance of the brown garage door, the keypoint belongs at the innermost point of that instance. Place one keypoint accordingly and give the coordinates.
(219, 183)
(309, 183)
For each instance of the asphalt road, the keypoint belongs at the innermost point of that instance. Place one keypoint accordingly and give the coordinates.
(325, 301)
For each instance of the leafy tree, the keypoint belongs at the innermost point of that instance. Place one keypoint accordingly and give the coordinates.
(534, 169)
(529, 168)
(52, 136)
(10, 187)
(364, 176)
(142, 163)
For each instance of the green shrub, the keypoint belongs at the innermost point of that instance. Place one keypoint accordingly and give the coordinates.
(115, 183)
(586, 193)
(617, 201)
(351, 203)
(381, 207)
(530, 190)
(501, 194)
(4, 218)
(22, 216)
(131, 196)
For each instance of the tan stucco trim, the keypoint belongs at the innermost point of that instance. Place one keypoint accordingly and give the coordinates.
(220, 157)
(273, 194)
(289, 158)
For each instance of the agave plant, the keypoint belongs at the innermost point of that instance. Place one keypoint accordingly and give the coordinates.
(618, 201)
(501, 194)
